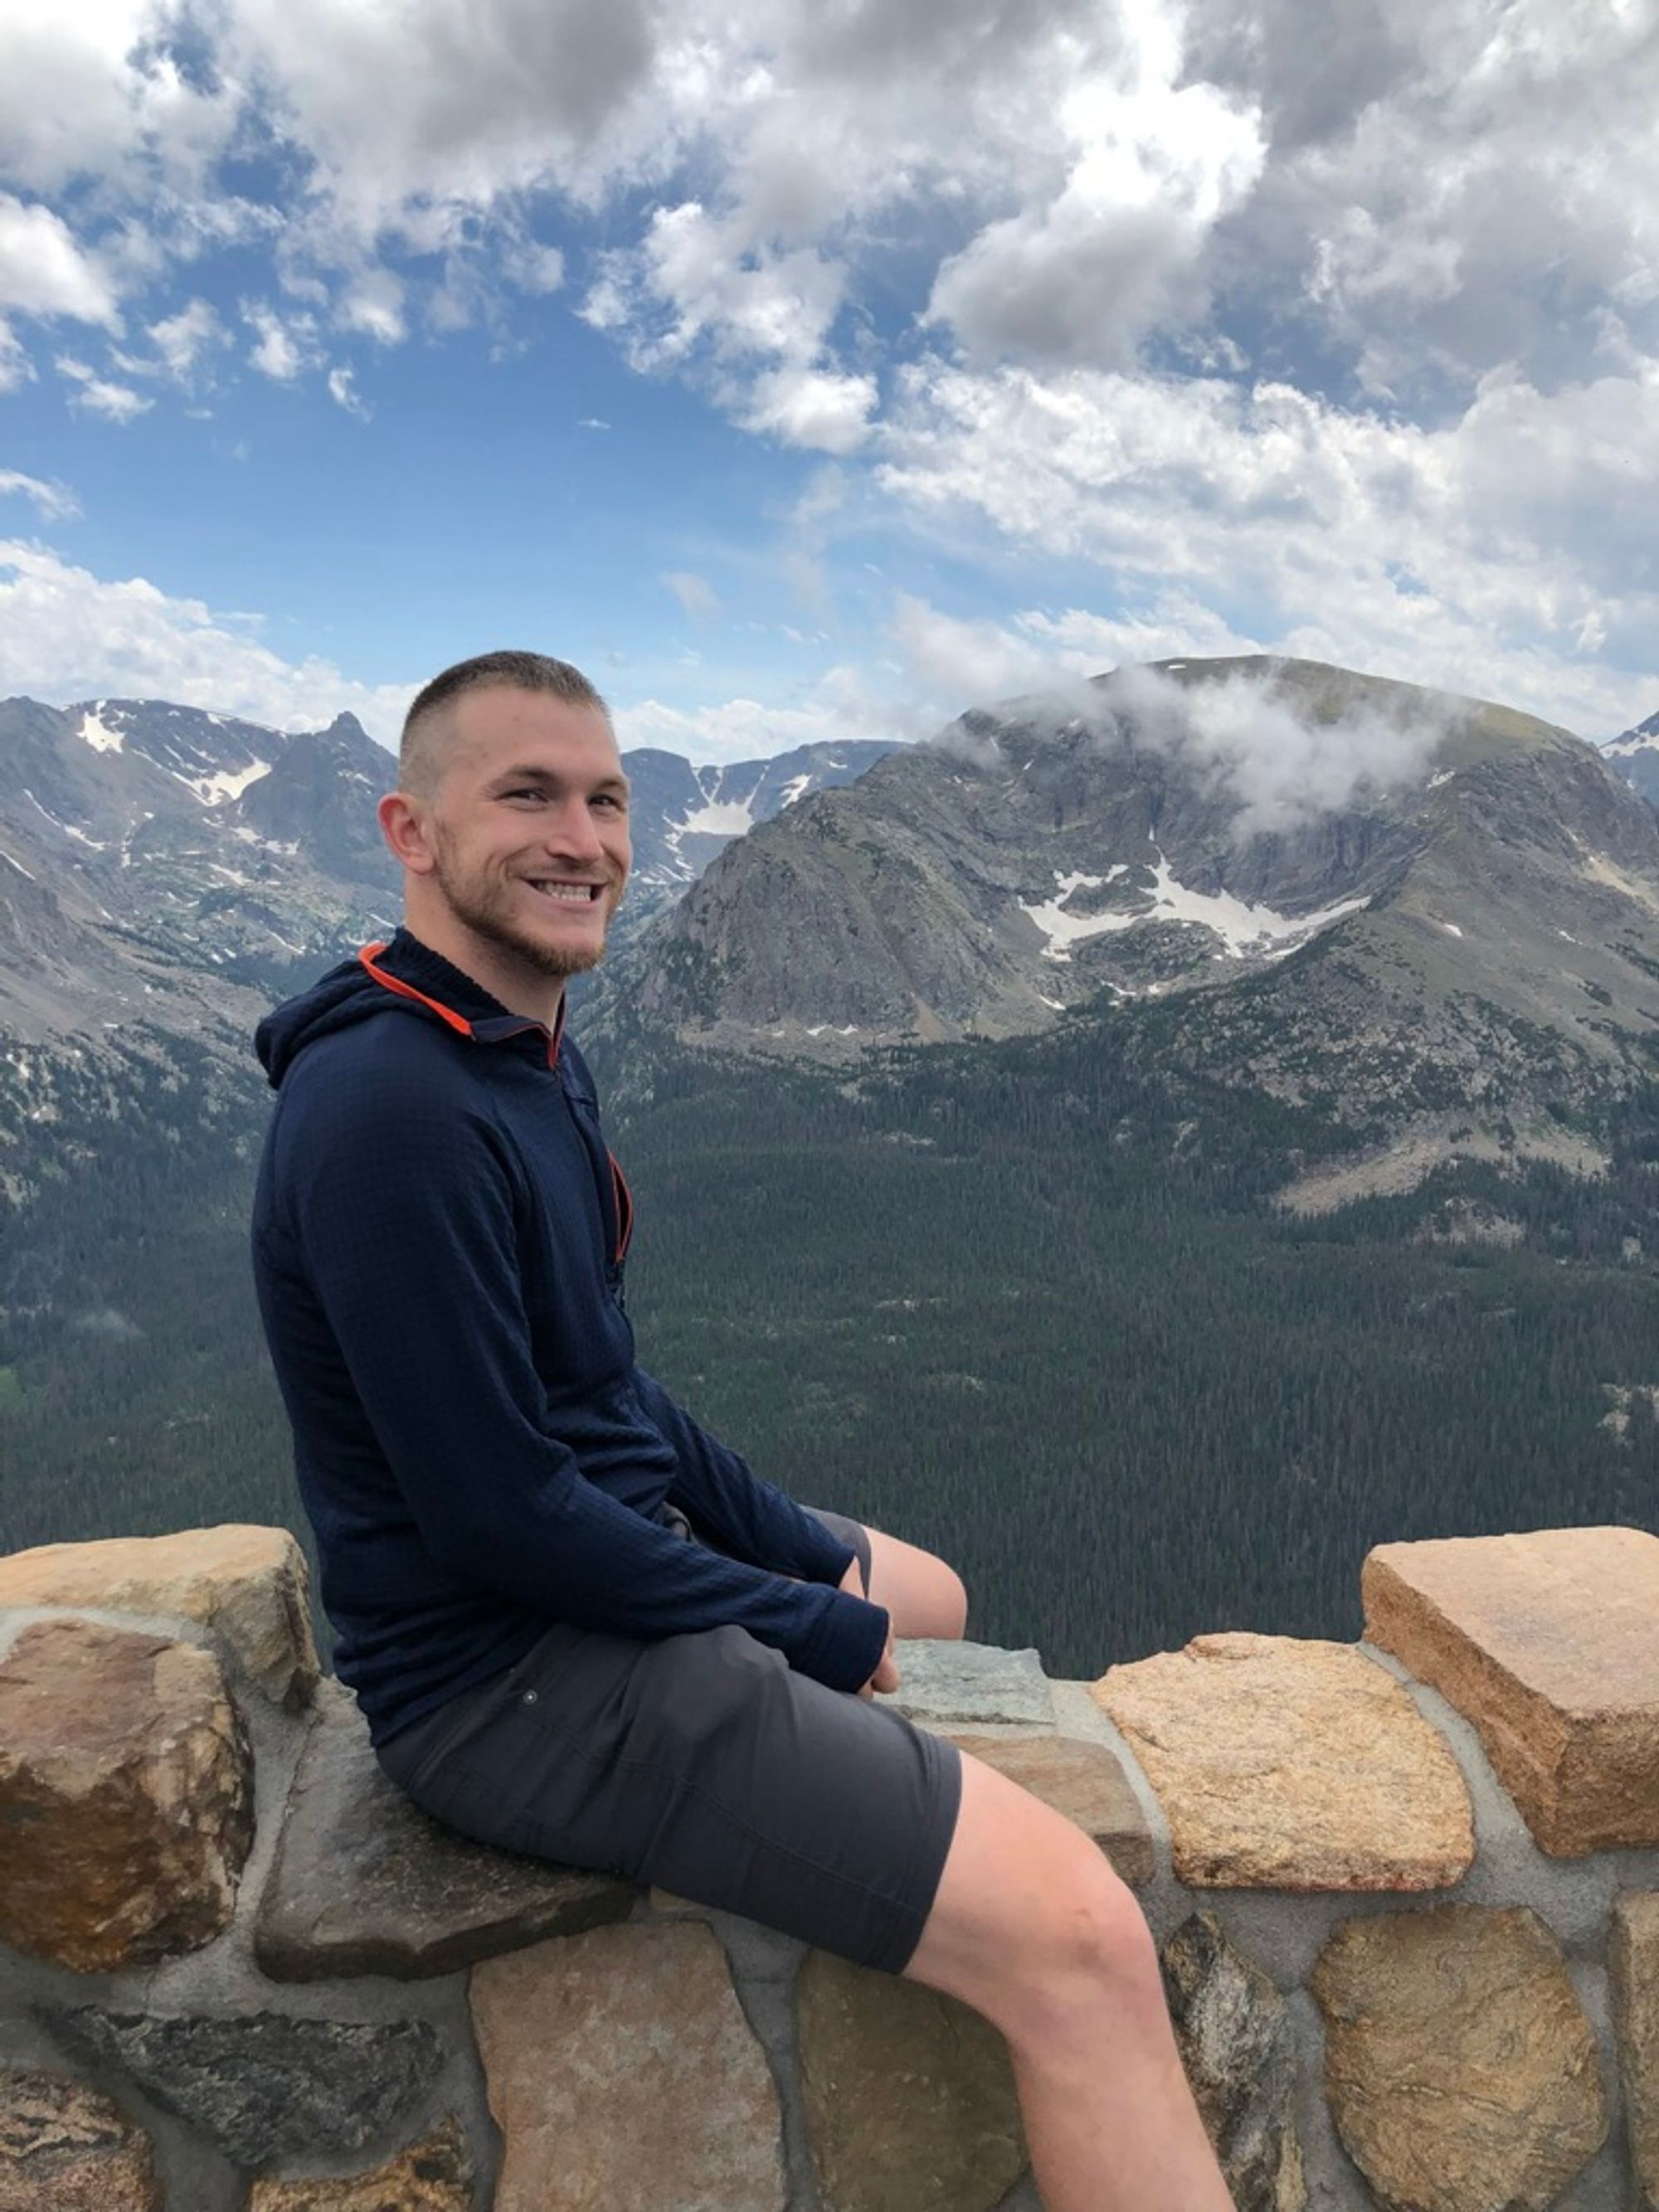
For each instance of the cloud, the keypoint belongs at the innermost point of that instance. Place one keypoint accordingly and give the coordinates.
(55, 501)
(695, 594)
(535, 268)
(1117, 252)
(66, 633)
(1320, 333)
(751, 729)
(968, 662)
(948, 664)
(16, 367)
(97, 91)
(97, 395)
(342, 391)
(43, 271)
(1412, 198)
(375, 304)
(813, 407)
(1280, 770)
(1343, 535)
(182, 339)
(284, 350)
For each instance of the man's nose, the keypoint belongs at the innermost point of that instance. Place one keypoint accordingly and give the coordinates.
(572, 832)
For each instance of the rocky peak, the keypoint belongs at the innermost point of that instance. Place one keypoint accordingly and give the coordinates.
(1428, 901)
(1634, 758)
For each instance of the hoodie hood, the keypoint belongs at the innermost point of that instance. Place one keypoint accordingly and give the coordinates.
(403, 977)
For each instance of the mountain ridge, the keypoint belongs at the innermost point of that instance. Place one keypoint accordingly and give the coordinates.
(1468, 936)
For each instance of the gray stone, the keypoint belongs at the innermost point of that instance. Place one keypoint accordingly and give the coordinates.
(1237, 2044)
(267, 2086)
(946, 1685)
(364, 1883)
(433, 2175)
(64, 2148)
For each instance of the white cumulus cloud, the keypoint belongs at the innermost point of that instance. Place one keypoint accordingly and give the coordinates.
(45, 271)
(66, 633)
(55, 501)
(97, 395)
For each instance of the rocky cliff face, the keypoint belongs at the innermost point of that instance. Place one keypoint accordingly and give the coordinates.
(141, 842)
(155, 854)
(167, 873)
(1335, 880)
(684, 816)
(1634, 758)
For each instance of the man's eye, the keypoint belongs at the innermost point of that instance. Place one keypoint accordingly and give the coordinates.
(608, 799)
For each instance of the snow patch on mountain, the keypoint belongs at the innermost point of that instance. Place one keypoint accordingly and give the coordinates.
(230, 783)
(98, 734)
(717, 818)
(1243, 929)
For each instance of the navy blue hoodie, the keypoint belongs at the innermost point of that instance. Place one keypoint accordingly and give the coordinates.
(439, 1233)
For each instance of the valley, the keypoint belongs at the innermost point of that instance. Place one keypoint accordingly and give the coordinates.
(1311, 1200)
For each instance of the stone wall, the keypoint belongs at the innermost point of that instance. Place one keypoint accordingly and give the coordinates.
(1406, 1893)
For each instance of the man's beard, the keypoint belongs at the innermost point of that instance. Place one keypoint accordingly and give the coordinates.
(488, 917)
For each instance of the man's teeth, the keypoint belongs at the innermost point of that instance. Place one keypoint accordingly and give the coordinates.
(574, 894)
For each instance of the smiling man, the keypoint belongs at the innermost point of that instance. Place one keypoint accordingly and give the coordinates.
(578, 1625)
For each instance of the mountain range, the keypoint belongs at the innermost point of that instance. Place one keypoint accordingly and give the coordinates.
(1439, 923)
(1151, 1142)
(166, 872)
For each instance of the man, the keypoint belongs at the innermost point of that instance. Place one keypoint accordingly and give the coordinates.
(578, 1625)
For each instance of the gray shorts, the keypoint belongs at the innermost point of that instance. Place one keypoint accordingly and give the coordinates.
(705, 1765)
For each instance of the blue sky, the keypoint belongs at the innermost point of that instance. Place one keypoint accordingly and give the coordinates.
(819, 370)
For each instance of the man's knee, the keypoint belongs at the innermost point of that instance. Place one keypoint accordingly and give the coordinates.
(1030, 1925)
(952, 1599)
(925, 1596)
(1105, 1944)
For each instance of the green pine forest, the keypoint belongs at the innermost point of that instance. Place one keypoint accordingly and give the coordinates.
(1029, 1304)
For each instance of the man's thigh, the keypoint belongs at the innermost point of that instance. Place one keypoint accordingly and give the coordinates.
(705, 1765)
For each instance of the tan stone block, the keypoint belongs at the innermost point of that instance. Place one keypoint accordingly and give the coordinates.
(625, 2078)
(1082, 1780)
(126, 1796)
(247, 1586)
(64, 2148)
(1635, 1961)
(1286, 1765)
(433, 2175)
(1548, 1646)
(908, 2095)
(1459, 2068)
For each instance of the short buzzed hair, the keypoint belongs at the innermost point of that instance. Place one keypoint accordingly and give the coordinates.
(420, 756)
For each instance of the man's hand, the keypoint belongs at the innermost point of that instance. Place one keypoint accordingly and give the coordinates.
(886, 1676)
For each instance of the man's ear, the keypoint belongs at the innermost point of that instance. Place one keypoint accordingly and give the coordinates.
(404, 827)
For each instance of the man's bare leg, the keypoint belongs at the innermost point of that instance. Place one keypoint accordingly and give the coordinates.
(924, 1596)
(1032, 1929)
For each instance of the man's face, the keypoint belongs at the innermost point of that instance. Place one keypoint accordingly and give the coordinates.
(529, 827)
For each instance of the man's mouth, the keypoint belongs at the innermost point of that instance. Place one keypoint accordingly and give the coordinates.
(563, 892)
